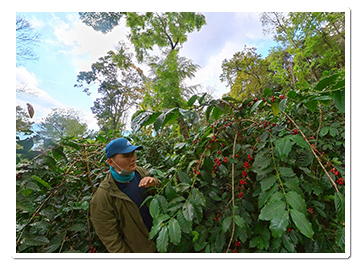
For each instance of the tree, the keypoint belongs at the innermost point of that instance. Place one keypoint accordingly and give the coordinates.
(120, 87)
(167, 31)
(246, 74)
(101, 21)
(168, 74)
(309, 44)
(61, 123)
(25, 39)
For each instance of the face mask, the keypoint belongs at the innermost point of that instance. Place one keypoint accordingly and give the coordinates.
(121, 178)
(123, 172)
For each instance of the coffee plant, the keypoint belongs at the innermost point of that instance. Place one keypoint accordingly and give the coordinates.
(261, 175)
(265, 175)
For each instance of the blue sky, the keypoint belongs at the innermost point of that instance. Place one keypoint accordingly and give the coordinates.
(68, 46)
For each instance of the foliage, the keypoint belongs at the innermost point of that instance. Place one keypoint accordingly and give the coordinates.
(54, 185)
(246, 74)
(260, 173)
(120, 87)
(308, 44)
(167, 29)
(101, 21)
(265, 173)
(61, 123)
(259, 176)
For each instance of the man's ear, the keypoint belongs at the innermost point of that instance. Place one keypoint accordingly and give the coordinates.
(110, 162)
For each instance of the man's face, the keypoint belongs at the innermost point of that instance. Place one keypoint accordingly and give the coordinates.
(127, 161)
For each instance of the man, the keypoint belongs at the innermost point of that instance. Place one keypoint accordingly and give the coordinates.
(115, 210)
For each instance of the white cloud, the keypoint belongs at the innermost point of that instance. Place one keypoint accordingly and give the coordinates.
(41, 100)
(209, 75)
(85, 41)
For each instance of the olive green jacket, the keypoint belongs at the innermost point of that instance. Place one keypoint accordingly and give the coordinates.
(117, 220)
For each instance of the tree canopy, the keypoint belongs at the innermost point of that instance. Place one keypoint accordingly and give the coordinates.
(61, 123)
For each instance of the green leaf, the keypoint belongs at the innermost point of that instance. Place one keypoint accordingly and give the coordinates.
(286, 172)
(272, 210)
(179, 145)
(197, 198)
(256, 242)
(214, 196)
(188, 211)
(156, 228)
(174, 231)
(299, 140)
(287, 243)
(186, 226)
(72, 144)
(268, 182)
(261, 162)
(296, 201)
(208, 111)
(58, 153)
(170, 116)
(275, 108)
(162, 240)
(216, 113)
(264, 196)
(154, 208)
(85, 205)
(183, 177)
(333, 131)
(225, 225)
(159, 121)
(182, 187)
(282, 105)
(201, 240)
(292, 94)
(311, 105)
(324, 131)
(323, 83)
(192, 100)
(239, 221)
(35, 241)
(256, 104)
(144, 118)
(283, 146)
(41, 181)
(303, 225)
(170, 192)
(339, 201)
(78, 227)
(201, 99)
(278, 226)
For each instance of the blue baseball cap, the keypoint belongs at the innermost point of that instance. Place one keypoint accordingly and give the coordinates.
(120, 146)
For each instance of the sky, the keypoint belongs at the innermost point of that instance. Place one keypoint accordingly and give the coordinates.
(68, 46)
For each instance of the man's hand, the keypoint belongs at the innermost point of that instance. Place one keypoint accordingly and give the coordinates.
(147, 182)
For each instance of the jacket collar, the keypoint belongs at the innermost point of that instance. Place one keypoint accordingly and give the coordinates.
(109, 184)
